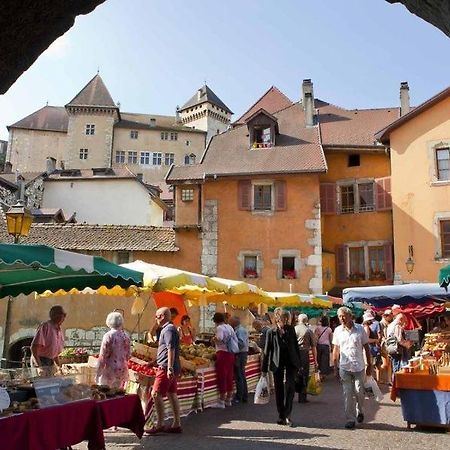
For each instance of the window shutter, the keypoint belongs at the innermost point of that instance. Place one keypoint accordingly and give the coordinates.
(328, 198)
(341, 266)
(383, 194)
(245, 195)
(388, 262)
(280, 195)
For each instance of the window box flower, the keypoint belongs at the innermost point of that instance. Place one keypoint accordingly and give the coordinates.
(250, 273)
(377, 275)
(357, 276)
(289, 274)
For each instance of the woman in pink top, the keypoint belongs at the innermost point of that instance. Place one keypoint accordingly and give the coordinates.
(114, 354)
(324, 336)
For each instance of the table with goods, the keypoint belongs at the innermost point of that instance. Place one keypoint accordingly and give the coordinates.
(39, 413)
(424, 384)
(197, 385)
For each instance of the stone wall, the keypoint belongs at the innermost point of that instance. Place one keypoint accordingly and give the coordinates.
(209, 238)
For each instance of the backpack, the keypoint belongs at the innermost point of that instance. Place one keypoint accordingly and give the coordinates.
(232, 342)
(392, 345)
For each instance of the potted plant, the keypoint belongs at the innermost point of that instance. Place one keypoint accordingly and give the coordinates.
(289, 274)
(250, 273)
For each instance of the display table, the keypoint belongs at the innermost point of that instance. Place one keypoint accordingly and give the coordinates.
(65, 425)
(425, 398)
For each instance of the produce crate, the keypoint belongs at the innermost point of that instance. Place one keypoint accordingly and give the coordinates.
(145, 350)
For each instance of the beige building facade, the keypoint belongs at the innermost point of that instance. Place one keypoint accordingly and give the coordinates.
(91, 131)
(420, 162)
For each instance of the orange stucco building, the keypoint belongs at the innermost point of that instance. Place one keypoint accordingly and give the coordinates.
(420, 156)
(334, 228)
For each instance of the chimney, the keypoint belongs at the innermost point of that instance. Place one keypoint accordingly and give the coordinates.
(199, 94)
(308, 102)
(51, 165)
(404, 98)
(177, 114)
(8, 167)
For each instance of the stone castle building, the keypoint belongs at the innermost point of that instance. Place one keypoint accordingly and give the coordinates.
(91, 131)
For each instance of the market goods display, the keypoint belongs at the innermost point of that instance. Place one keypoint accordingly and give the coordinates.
(198, 355)
(437, 342)
(102, 392)
(74, 355)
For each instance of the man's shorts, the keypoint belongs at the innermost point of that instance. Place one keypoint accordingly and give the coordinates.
(163, 384)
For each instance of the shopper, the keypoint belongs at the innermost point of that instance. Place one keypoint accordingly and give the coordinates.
(186, 331)
(397, 329)
(168, 360)
(306, 343)
(114, 354)
(224, 360)
(372, 334)
(282, 357)
(48, 343)
(240, 361)
(350, 343)
(385, 371)
(324, 338)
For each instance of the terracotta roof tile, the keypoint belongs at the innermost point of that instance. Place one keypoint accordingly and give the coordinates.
(95, 93)
(51, 118)
(357, 127)
(86, 237)
(272, 100)
(297, 150)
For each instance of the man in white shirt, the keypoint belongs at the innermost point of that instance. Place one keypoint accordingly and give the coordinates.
(350, 342)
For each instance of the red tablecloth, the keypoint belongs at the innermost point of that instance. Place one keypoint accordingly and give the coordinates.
(65, 425)
(125, 412)
(53, 427)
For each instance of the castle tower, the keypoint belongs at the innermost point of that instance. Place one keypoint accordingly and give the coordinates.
(205, 111)
(92, 115)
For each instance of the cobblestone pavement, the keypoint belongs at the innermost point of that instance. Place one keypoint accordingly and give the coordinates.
(319, 426)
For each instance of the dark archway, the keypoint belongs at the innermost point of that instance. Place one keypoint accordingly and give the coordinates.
(15, 353)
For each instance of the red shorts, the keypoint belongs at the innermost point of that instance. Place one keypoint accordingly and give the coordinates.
(163, 384)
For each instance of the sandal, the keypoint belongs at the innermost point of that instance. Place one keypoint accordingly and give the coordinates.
(155, 430)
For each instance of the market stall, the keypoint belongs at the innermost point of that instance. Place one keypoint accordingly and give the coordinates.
(424, 384)
(41, 413)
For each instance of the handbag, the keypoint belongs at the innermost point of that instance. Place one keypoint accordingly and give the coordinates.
(392, 345)
(314, 387)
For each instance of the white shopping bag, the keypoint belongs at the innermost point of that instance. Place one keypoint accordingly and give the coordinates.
(371, 385)
(262, 393)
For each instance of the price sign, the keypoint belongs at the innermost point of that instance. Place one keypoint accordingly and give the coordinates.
(5, 401)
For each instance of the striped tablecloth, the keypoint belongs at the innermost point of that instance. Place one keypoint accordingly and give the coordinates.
(187, 396)
(207, 381)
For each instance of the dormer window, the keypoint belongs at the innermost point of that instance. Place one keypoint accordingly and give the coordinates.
(262, 127)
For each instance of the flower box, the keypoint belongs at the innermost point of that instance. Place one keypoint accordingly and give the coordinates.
(289, 274)
(250, 273)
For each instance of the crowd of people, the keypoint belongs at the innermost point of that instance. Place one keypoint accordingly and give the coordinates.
(288, 347)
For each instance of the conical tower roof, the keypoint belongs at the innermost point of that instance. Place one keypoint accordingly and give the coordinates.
(94, 93)
(203, 95)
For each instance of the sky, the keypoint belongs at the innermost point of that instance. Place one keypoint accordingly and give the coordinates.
(154, 54)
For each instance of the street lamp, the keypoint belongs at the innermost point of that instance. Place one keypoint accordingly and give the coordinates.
(19, 219)
(410, 261)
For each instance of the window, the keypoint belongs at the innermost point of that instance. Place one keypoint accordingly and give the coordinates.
(288, 267)
(250, 266)
(134, 134)
(354, 160)
(442, 161)
(169, 158)
(376, 263)
(90, 129)
(357, 266)
(123, 257)
(366, 198)
(187, 195)
(132, 157)
(445, 238)
(84, 153)
(347, 199)
(262, 197)
(164, 135)
(174, 136)
(189, 159)
(188, 143)
(145, 158)
(120, 156)
(357, 197)
(157, 158)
